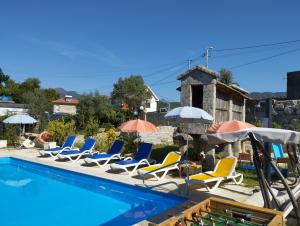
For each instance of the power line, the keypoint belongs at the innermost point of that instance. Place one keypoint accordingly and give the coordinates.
(249, 52)
(168, 76)
(257, 46)
(265, 58)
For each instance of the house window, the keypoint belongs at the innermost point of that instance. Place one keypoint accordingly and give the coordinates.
(147, 104)
(197, 96)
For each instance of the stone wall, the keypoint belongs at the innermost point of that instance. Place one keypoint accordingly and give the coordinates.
(164, 136)
(286, 113)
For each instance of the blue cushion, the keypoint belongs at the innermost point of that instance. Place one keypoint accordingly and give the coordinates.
(127, 162)
(69, 141)
(99, 156)
(116, 147)
(143, 152)
(278, 151)
(71, 152)
(53, 149)
(88, 144)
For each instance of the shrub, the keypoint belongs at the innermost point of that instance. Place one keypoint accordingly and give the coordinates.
(91, 128)
(60, 130)
(258, 123)
(11, 135)
(129, 145)
(105, 139)
(276, 125)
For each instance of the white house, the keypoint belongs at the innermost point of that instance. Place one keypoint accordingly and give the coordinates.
(151, 103)
(66, 105)
(9, 107)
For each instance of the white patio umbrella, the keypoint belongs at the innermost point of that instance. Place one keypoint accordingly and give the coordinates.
(189, 114)
(22, 119)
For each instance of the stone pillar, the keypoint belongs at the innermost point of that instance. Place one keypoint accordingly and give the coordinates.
(209, 98)
(236, 148)
(244, 111)
(230, 112)
(185, 95)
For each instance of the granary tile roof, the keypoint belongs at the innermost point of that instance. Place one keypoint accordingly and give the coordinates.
(200, 69)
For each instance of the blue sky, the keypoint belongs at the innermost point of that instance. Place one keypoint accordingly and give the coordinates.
(88, 45)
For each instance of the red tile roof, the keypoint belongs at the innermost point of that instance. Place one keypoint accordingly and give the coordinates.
(68, 101)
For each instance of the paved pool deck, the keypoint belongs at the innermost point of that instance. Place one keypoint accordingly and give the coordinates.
(228, 190)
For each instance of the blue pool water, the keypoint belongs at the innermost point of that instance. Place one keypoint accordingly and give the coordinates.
(32, 194)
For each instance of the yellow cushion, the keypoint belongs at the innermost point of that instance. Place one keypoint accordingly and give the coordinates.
(170, 158)
(225, 167)
(223, 170)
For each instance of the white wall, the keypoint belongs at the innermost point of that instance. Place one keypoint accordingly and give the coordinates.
(11, 111)
(69, 109)
(153, 105)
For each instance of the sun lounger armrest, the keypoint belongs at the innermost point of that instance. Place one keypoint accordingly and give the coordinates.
(127, 158)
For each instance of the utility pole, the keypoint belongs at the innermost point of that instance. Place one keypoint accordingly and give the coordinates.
(206, 55)
(189, 63)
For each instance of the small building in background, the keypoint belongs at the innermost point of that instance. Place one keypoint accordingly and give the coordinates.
(151, 103)
(293, 85)
(67, 105)
(201, 88)
(9, 107)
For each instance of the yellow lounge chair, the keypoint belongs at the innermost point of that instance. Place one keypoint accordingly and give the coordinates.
(225, 169)
(164, 167)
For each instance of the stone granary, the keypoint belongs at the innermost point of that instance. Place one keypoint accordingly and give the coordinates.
(201, 88)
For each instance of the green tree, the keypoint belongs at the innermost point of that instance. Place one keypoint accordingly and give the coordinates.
(11, 135)
(131, 90)
(38, 105)
(30, 84)
(3, 78)
(91, 129)
(51, 94)
(226, 76)
(95, 107)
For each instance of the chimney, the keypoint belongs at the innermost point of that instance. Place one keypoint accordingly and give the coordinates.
(68, 98)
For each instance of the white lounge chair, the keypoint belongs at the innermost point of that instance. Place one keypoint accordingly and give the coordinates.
(113, 153)
(141, 158)
(170, 163)
(54, 151)
(74, 155)
(224, 170)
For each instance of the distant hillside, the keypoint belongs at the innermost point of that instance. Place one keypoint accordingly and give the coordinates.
(62, 92)
(264, 95)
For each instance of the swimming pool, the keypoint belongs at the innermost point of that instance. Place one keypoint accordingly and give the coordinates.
(33, 194)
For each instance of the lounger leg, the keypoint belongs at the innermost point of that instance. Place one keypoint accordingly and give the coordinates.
(162, 176)
(214, 187)
(238, 181)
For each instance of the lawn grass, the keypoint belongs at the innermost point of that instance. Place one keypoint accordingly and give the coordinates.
(250, 178)
(159, 152)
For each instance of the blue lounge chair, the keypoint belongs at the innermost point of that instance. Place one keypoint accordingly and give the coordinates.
(54, 151)
(86, 148)
(278, 151)
(141, 158)
(113, 153)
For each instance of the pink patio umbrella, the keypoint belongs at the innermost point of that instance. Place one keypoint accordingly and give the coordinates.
(138, 126)
(228, 129)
